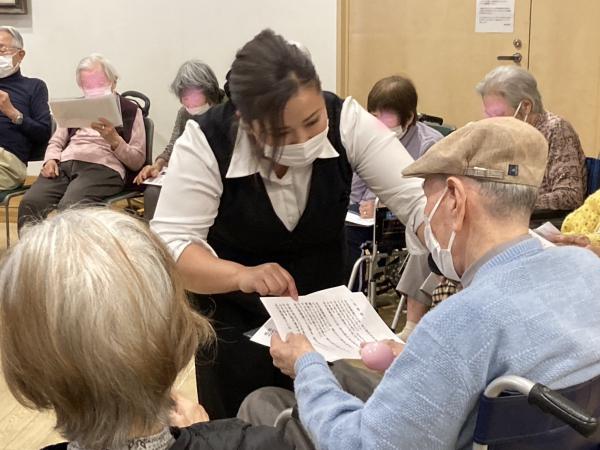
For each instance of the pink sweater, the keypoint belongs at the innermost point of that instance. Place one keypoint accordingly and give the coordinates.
(87, 145)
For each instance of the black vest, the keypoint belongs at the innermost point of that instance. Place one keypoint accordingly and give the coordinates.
(248, 231)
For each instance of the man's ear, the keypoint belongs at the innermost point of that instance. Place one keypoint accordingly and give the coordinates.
(458, 196)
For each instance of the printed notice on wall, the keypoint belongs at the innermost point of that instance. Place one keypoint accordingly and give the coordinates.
(495, 16)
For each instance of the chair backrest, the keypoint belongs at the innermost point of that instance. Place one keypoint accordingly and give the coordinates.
(144, 104)
(512, 421)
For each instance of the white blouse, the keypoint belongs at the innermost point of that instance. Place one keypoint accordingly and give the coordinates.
(191, 192)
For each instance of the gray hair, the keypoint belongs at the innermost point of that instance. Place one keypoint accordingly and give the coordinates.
(16, 36)
(92, 61)
(197, 74)
(513, 83)
(507, 200)
(95, 324)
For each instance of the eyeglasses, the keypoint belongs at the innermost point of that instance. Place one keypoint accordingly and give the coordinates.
(8, 50)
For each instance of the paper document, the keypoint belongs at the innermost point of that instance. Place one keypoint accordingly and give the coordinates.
(335, 321)
(495, 16)
(545, 242)
(157, 180)
(264, 333)
(81, 112)
(355, 219)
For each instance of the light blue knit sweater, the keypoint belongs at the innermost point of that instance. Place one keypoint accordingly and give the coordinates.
(528, 312)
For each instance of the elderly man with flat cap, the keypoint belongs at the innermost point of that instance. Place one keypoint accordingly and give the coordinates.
(524, 310)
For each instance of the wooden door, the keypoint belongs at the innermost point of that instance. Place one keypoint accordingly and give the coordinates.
(433, 42)
(565, 59)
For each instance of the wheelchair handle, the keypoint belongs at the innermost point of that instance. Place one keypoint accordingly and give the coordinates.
(552, 402)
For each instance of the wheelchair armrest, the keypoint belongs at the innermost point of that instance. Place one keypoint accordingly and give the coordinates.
(552, 402)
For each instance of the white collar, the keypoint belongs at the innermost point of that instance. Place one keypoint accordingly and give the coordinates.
(245, 161)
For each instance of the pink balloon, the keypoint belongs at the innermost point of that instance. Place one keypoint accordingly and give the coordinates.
(377, 356)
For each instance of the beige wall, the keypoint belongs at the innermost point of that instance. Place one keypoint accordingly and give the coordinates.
(148, 39)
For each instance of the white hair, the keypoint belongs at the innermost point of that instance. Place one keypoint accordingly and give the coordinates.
(16, 36)
(95, 324)
(513, 83)
(508, 199)
(91, 62)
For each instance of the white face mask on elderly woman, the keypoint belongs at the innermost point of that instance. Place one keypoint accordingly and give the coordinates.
(516, 114)
(197, 110)
(299, 155)
(399, 131)
(442, 257)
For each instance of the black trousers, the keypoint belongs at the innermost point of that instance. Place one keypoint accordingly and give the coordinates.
(235, 367)
(78, 182)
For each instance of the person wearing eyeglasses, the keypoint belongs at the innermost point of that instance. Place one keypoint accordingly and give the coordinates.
(25, 121)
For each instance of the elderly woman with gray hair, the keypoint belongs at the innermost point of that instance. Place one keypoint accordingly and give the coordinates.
(102, 344)
(87, 165)
(513, 91)
(197, 88)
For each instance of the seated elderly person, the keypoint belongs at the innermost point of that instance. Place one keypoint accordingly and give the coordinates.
(197, 89)
(393, 100)
(87, 165)
(102, 345)
(513, 91)
(523, 310)
(25, 122)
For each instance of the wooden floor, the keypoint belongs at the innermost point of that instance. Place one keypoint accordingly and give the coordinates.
(24, 429)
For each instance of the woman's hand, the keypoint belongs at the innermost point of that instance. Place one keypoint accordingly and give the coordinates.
(147, 172)
(267, 279)
(50, 169)
(367, 209)
(108, 132)
(186, 412)
(286, 353)
(578, 241)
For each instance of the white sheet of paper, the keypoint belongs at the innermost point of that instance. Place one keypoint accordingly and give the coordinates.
(335, 321)
(264, 333)
(547, 229)
(157, 180)
(355, 219)
(495, 16)
(81, 112)
(545, 242)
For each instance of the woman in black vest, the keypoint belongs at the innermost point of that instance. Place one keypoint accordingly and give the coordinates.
(255, 200)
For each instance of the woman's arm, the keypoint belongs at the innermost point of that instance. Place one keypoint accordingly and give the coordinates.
(378, 158)
(187, 208)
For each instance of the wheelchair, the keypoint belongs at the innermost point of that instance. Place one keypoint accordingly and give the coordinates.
(517, 414)
(383, 258)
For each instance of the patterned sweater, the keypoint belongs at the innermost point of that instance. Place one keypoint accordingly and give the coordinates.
(528, 312)
(565, 180)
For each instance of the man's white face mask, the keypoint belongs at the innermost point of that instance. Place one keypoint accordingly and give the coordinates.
(7, 67)
(442, 257)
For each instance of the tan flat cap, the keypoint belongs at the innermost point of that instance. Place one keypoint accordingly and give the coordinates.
(501, 149)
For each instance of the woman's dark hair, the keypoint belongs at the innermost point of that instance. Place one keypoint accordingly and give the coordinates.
(265, 74)
(397, 94)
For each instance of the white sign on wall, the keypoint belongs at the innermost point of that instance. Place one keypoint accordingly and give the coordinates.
(495, 16)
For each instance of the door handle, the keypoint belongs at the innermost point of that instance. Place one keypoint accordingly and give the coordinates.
(515, 57)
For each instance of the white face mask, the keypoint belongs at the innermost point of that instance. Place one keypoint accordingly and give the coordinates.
(400, 131)
(300, 155)
(442, 257)
(97, 92)
(517, 112)
(6, 66)
(197, 110)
